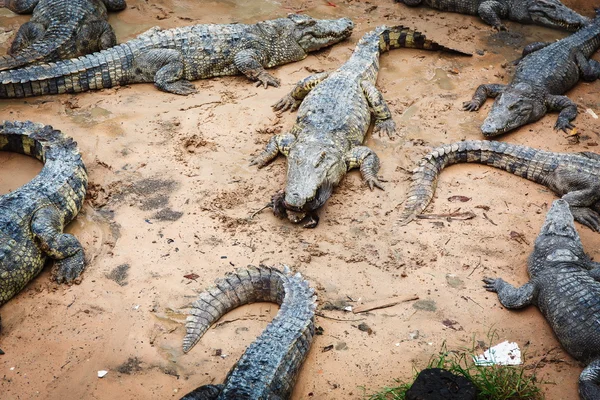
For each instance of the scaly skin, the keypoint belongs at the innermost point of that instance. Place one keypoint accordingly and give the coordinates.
(60, 29)
(269, 367)
(573, 176)
(564, 286)
(550, 13)
(172, 58)
(32, 217)
(333, 117)
(546, 71)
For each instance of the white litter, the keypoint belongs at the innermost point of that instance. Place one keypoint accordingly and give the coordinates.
(505, 353)
(102, 374)
(348, 308)
(591, 112)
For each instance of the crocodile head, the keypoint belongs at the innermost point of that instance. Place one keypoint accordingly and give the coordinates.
(301, 33)
(516, 106)
(313, 171)
(558, 240)
(554, 14)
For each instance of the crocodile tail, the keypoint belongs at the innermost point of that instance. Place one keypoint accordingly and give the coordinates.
(400, 36)
(55, 37)
(523, 161)
(103, 69)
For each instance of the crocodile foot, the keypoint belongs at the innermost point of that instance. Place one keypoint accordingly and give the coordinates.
(587, 217)
(387, 126)
(492, 284)
(181, 87)
(69, 269)
(287, 103)
(564, 125)
(375, 182)
(500, 28)
(266, 79)
(470, 105)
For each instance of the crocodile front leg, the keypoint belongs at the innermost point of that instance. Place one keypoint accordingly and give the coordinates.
(165, 68)
(531, 48)
(383, 116)
(248, 63)
(115, 5)
(510, 296)
(292, 100)
(205, 392)
(21, 6)
(568, 111)
(589, 381)
(490, 12)
(579, 203)
(481, 95)
(47, 227)
(367, 160)
(590, 69)
(277, 144)
(28, 33)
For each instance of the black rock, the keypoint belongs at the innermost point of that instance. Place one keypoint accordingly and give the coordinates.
(439, 384)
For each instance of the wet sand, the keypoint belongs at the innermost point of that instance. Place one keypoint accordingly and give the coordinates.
(171, 192)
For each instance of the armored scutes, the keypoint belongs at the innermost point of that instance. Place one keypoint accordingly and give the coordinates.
(564, 285)
(32, 217)
(574, 176)
(60, 29)
(546, 71)
(550, 13)
(172, 58)
(334, 114)
(269, 367)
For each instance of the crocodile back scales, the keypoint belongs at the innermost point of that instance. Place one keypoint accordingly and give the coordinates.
(62, 184)
(270, 365)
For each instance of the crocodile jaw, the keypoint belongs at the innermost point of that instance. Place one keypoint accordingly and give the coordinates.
(314, 34)
(554, 14)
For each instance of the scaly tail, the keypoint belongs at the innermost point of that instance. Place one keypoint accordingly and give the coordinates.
(272, 361)
(526, 162)
(396, 37)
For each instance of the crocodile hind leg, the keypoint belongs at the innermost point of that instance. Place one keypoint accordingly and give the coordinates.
(590, 69)
(277, 144)
(115, 5)
(510, 296)
(589, 381)
(292, 100)
(28, 33)
(248, 63)
(95, 36)
(531, 48)
(383, 116)
(481, 95)
(21, 6)
(47, 227)
(205, 392)
(580, 202)
(367, 160)
(490, 12)
(165, 68)
(568, 111)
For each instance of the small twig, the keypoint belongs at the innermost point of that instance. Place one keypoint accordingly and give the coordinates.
(338, 319)
(468, 298)
(200, 105)
(73, 302)
(477, 266)
(488, 218)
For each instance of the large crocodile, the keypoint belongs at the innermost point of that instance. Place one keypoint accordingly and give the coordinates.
(546, 71)
(172, 58)
(60, 29)
(333, 118)
(269, 367)
(564, 285)
(574, 176)
(550, 13)
(32, 217)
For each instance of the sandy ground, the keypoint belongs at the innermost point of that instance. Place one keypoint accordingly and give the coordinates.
(171, 192)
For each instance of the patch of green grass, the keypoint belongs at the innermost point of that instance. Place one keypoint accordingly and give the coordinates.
(498, 382)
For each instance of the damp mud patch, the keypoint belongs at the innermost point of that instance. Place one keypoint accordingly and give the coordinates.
(119, 274)
(132, 365)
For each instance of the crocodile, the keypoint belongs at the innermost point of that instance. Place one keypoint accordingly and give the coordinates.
(172, 58)
(32, 218)
(60, 29)
(546, 71)
(564, 285)
(269, 367)
(550, 13)
(573, 176)
(334, 114)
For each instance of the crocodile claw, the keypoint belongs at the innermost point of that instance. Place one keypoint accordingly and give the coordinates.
(266, 79)
(387, 126)
(69, 269)
(501, 27)
(491, 284)
(286, 103)
(564, 125)
(470, 106)
(587, 217)
(375, 182)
